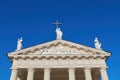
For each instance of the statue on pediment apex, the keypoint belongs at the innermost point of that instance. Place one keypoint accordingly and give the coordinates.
(59, 33)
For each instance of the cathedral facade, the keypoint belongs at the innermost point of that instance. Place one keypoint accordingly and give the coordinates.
(59, 60)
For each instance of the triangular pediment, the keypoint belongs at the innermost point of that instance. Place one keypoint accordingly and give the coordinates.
(58, 47)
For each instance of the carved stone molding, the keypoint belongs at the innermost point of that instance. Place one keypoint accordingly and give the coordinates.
(57, 56)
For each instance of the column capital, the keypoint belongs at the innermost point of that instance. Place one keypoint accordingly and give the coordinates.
(30, 68)
(87, 69)
(47, 69)
(71, 69)
(103, 69)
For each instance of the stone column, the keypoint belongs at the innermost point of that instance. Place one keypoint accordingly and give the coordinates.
(30, 75)
(46, 74)
(104, 75)
(88, 75)
(14, 74)
(71, 74)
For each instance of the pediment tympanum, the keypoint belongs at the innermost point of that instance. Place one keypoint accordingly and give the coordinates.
(59, 47)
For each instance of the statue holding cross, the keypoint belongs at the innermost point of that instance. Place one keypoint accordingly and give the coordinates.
(58, 31)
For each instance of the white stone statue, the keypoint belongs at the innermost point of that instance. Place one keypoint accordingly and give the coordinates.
(19, 44)
(97, 44)
(59, 33)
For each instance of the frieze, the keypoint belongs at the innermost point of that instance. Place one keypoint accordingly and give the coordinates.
(58, 63)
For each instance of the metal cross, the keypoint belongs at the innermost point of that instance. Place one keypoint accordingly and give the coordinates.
(57, 23)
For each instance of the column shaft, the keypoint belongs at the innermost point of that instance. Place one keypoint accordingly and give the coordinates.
(104, 75)
(14, 74)
(30, 75)
(88, 75)
(47, 74)
(71, 74)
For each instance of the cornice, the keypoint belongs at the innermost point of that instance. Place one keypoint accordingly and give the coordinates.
(57, 56)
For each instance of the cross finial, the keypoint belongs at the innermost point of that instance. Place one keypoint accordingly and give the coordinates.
(57, 23)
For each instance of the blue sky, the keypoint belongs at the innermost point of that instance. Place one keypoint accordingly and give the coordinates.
(82, 21)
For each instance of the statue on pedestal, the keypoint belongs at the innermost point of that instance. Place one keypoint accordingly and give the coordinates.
(97, 44)
(19, 44)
